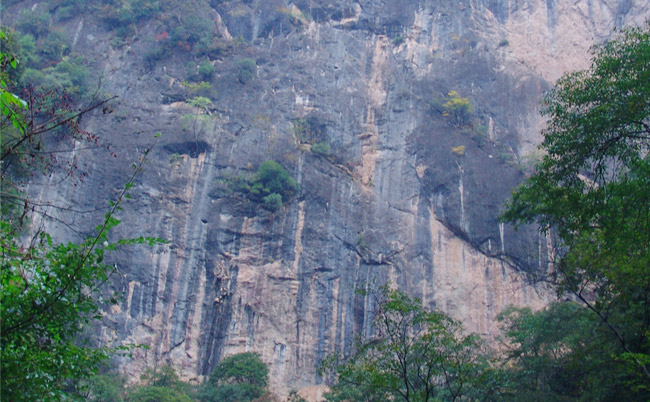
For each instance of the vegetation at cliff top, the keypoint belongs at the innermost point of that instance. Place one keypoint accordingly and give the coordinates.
(46, 61)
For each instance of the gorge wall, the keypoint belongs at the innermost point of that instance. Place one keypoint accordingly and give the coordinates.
(407, 195)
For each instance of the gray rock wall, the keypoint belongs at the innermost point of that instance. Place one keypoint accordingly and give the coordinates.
(407, 195)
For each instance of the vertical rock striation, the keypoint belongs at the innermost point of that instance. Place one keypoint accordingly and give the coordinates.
(407, 195)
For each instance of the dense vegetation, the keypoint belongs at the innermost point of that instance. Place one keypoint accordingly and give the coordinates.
(242, 377)
(592, 191)
(416, 355)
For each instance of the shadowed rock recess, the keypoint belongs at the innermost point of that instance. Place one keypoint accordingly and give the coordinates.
(407, 190)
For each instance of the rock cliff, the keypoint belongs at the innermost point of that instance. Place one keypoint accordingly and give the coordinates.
(407, 193)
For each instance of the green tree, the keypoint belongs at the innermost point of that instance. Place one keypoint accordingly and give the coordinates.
(154, 393)
(592, 192)
(415, 355)
(563, 352)
(11, 106)
(106, 387)
(270, 185)
(206, 70)
(35, 24)
(160, 384)
(273, 202)
(55, 47)
(49, 291)
(322, 148)
(238, 378)
(273, 178)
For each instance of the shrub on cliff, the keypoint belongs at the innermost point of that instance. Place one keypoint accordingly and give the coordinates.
(273, 178)
(33, 23)
(273, 202)
(206, 70)
(271, 185)
(457, 109)
(246, 70)
(322, 148)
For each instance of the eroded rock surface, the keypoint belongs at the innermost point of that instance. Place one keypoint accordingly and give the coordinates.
(406, 196)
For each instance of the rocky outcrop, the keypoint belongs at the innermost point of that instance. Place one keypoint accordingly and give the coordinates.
(407, 195)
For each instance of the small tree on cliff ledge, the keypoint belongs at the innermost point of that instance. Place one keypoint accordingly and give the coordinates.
(592, 189)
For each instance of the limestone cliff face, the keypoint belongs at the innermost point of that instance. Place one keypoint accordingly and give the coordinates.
(406, 197)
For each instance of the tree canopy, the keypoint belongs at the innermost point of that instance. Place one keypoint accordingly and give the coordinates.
(241, 377)
(592, 192)
(562, 352)
(415, 355)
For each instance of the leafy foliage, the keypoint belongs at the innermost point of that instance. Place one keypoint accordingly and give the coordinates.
(415, 355)
(271, 185)
(48, 295)
(272, 178)
(206, 70)
(322, 148)
(37, 24)
(48, 290)
(154, 393)
(246, 70)
(457, 109)
(273, 202)
(44, 299)
(563, 352)
(11, 105)
(592, 190)
(55, 46)
(106, 387)
(161, 384)
(68, 75)
(127, 12)
(238, 378)
(202, 88)
(46, 61)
